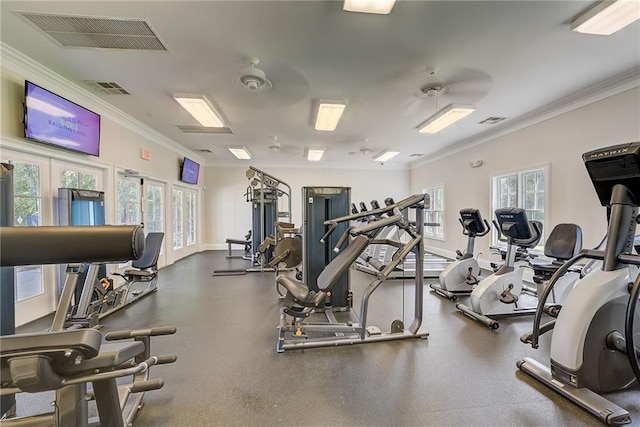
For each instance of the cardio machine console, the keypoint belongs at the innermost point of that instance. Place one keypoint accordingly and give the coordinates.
(472, 221)
(514, 223)
(619, 164)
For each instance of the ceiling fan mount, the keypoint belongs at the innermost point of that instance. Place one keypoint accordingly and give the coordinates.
(363, 149)
(252, 78)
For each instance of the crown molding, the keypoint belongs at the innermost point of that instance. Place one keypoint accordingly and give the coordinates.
(16, 61)
(313, 165)
(622, 82)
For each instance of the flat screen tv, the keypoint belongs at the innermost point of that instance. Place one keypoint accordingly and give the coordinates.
(53, 120)
(189, 172)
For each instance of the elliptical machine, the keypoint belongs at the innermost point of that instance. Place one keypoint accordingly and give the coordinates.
(498, 294)
(460, 276)
(593, 347)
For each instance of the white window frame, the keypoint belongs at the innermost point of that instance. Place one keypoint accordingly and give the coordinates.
(520, 198)
(153, 206)
(178, 219)
(136, 203)
(435, 213)
(39, 305)
(191, 217)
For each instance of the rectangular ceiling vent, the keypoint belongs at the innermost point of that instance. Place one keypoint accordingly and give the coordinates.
(203, 129)
(492, 120)
(93, 32)
(204, 150)
(107, 88)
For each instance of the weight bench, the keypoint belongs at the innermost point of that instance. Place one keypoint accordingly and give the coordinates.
(145, 270)
(246, 243)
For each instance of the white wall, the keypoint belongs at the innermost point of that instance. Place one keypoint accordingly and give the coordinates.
(227, 214)
(559, 143)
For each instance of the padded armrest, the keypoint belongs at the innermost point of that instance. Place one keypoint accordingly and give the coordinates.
(33, 362)
(111, 355)
(85, 342)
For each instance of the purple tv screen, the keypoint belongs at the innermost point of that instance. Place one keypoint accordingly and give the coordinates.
(53, 120)
(190, 170)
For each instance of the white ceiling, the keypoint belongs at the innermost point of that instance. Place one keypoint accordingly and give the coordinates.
(509, 58)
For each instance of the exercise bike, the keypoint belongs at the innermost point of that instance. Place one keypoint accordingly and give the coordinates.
(593, 348)
(460, 276)
(498, 294)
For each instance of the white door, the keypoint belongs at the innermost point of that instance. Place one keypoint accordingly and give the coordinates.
(184, 203)
(34, 284)
(153, 213)
(128, 205)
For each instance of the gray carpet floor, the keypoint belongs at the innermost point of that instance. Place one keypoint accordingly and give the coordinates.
(228, 372)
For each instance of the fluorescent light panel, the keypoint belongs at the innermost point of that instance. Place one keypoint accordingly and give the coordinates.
(445, 117)
(314, 155)
(607, 17)
(201, 109)
(386, 156)
(329, 114)
(241, 153)
(380, 7)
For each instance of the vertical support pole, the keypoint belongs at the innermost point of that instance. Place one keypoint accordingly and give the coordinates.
(419, 279)
(7, 275)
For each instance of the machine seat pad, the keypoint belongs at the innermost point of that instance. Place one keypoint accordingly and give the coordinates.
(85, 342)
(237, 241)
(333, 271)
(297, 289)
(111, 354)
(140, 273)
(564, 242)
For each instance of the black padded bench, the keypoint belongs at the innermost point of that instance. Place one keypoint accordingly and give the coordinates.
(246, 242)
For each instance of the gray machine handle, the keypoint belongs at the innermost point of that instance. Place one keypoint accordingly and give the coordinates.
(62, 245)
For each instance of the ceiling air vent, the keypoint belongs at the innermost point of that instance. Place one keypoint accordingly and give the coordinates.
(203, 129)
(94, 32)
(492, 120)
(204, 150)
(107, 88)
(416, 155)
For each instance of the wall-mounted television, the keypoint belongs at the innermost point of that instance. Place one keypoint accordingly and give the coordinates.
(189, 171)
(53, 120)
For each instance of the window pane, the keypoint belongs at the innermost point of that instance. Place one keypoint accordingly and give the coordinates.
(26, 179)
(26, 211)
(128, 202)
(28, 279)
(69, 179)
(540, 200)
(28, 282)
(529, 195)
(191, 218)
(177, 219)
(154, 221)
(87, 182)
(435, 213)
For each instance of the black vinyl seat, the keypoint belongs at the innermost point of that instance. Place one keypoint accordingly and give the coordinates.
(145, 268)
(564, 242)
(300, 301)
